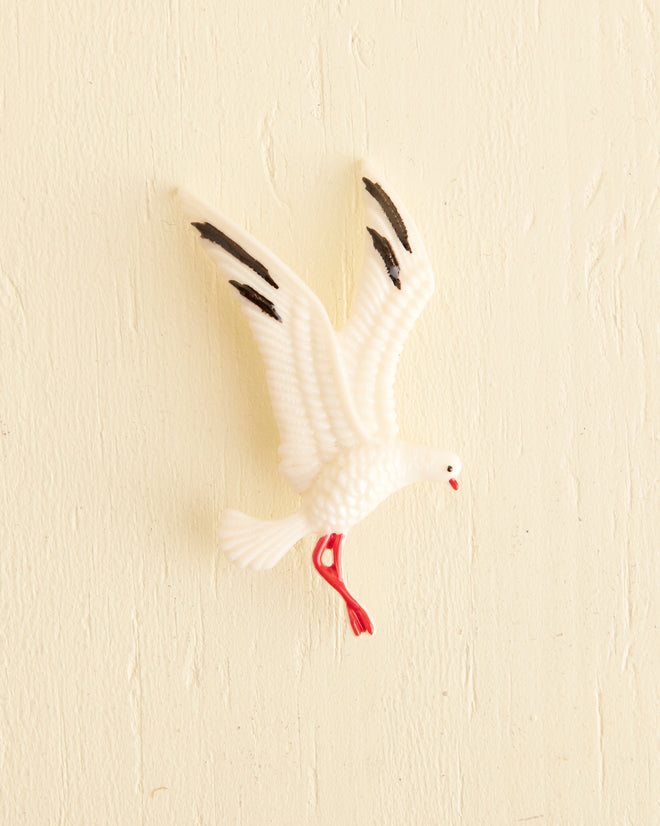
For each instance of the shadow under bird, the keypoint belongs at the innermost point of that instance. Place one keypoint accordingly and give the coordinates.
(332, 392)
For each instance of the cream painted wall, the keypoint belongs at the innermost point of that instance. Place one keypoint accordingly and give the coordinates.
(514, 675)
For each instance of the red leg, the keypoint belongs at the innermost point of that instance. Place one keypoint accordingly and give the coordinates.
(334, 575)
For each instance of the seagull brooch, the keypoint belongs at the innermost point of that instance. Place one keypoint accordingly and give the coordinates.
(332, 392)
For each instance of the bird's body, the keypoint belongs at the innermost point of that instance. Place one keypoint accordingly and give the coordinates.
(332, 393)
(356, 481)
(353, 484)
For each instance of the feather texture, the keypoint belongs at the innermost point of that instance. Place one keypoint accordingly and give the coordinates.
(307, 380)
(384, 310)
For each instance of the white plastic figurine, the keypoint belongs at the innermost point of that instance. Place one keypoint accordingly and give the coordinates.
(332, 392)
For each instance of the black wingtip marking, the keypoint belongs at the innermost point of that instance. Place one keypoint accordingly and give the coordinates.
(264, 304)
(215, 235)
(391, 212)
(384, 249)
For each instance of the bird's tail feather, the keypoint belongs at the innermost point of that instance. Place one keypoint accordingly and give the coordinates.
(258, 543)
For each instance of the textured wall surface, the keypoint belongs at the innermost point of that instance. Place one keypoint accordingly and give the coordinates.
(515, 673)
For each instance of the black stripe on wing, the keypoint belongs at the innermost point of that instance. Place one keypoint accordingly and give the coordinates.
(384, 249)
(391, 212)
(215, 235)
(259, 300)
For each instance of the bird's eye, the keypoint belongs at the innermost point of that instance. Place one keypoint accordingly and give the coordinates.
(449, 468)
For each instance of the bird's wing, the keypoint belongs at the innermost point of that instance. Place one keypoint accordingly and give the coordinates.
(307, 381)
(396, 284)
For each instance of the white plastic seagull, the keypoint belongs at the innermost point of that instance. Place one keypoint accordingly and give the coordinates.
(332, 392)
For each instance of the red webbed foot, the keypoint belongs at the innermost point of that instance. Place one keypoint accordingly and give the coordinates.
(360, 620)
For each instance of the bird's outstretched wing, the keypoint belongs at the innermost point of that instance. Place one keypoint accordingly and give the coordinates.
(307, 381)
(396, 284)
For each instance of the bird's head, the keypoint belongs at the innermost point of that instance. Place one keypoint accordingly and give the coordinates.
(429, 464)
(450, 469)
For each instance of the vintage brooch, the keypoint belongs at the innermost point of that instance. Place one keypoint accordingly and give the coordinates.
(332, 392)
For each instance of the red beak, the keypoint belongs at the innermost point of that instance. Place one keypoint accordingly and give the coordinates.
(453, 483)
